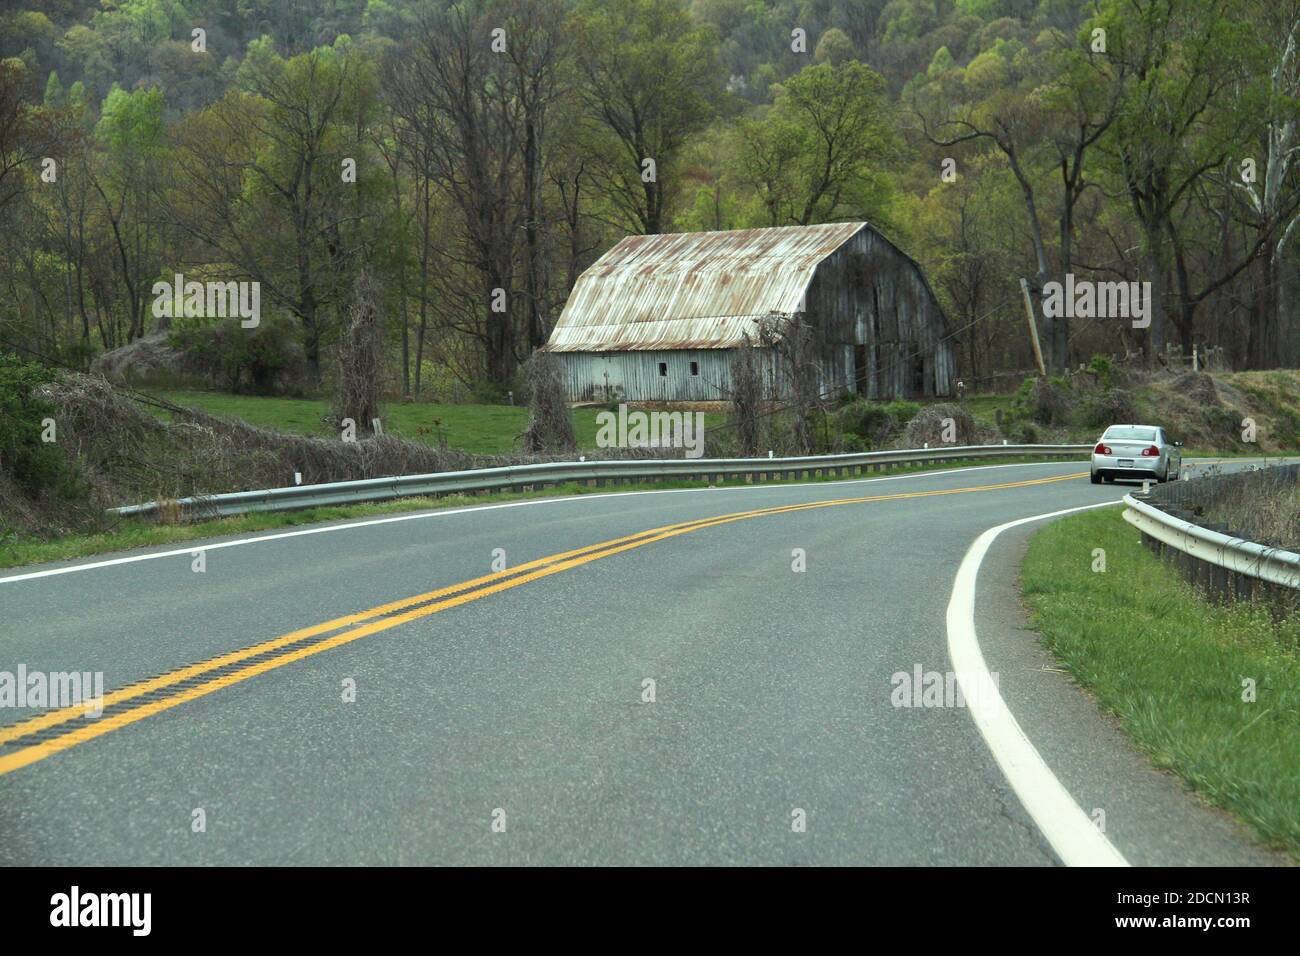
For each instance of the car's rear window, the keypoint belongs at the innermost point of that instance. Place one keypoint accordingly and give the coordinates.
(1123, 432)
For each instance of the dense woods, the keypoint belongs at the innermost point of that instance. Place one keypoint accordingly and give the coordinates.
(472, 159)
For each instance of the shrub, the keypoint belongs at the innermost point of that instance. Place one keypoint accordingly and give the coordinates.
(1026, 434)
(1286, 428)
(237, 354)
(550, 425)
(1106, 408)
(35, 464)
(903, 410)
(486, 392)
(1199, 387)
(1102, 368)
(1045, 401)
(873, 422)
(932, 426)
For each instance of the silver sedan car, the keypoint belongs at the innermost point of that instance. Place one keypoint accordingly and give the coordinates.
(1136, 451)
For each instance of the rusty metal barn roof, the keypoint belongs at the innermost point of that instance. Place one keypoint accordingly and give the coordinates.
(699, 290)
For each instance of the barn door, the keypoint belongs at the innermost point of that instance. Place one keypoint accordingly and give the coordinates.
(861, 370)
(916, 376)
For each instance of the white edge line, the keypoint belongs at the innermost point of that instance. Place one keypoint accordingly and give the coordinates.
(1069, 830)
(197, 544)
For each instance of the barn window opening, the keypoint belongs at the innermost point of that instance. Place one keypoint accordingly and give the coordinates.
(663, 369)
(860, 378)
(695, 368)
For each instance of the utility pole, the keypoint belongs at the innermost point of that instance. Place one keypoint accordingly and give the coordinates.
(1033, 328)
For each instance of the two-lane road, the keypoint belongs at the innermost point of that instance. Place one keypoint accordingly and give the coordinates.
(474, 686)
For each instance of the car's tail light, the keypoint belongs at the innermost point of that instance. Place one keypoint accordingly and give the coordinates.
(1101, 449)
(1151, 451)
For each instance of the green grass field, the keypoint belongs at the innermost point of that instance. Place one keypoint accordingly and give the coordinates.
(984, 408)
(1171, 667)
(480, 429)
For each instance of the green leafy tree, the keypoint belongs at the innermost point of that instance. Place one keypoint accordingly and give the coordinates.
(264, 181)
(650, 80)
(821, 152)
(132, 141)
(1176, 63)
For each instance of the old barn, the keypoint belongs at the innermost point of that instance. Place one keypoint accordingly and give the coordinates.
(657, 318)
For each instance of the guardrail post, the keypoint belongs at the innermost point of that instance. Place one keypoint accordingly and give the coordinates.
(1153, 544)
(1219, 581)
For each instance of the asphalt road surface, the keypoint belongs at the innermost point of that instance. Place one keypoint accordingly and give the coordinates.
(548, 682)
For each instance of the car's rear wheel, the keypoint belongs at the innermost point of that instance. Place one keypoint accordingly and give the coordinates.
(1094, 478)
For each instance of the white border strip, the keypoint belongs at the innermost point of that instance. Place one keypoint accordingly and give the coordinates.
(1072, 834)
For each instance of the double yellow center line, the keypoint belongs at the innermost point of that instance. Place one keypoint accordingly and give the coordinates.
(57, 730)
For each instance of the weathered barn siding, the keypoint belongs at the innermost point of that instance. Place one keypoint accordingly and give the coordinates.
(690, 298)
(634, 376)
(870, 303)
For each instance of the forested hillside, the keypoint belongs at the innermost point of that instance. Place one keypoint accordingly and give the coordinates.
(471, 160)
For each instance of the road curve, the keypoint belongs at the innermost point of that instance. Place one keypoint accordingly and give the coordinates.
(500, 659)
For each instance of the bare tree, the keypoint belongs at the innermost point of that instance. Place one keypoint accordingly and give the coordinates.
(456, 95)
(747, 397)
(1272, 198)
(796, 347)
(1009, 123)
(536, 46)
(360, 356)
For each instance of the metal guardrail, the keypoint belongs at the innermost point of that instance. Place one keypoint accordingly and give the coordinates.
(1213, 547)
(551, 473)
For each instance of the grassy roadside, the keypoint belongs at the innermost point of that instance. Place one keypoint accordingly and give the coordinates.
(495, 429)
(1171, 667)
(130, 534)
